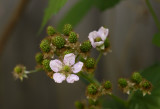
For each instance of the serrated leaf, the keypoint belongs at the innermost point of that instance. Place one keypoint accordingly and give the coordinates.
(105, 4)
(149, 101)
(76, 13)
(156, 39)
(53, 7)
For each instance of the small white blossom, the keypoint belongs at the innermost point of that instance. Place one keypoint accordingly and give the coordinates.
(63, 70)
(97, 38)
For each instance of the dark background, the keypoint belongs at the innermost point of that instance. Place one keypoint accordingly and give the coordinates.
(131, 31)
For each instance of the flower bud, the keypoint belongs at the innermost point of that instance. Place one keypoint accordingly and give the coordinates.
(90, 63)
(136, 77)
(106, 43)
(107, 85)
(72, 37)
(59, 42)
(92, 89)
(39, 58)
(67, 29)
(86, 46)
(79, 105)
(50, 31)
(45, 45)
(122, 82)
(45, 64)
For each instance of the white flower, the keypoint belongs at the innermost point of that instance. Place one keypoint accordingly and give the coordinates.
(97, 38)
(63, 71)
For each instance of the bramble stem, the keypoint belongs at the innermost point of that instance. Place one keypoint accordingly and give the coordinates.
(99, 57)
(33, 71)
(153, 14)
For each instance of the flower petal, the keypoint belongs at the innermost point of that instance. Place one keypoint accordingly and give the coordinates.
(72, 78)
(56, 65)
(92, 36)
(59, 77)
(99, 43)
(69, 59)
(77, 67)
(103, 33)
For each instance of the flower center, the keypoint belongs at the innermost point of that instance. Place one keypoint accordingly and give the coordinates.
(66, 68)
(98, 39)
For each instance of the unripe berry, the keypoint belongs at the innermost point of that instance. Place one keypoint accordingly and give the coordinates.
(39, 58)
(136, 77)
(146, 85)
(45, 45)
(90, 63)
(86, 46)
(67, 29)
(18, 69)
(58, 41)
(50, 31)
(92, 89)
(107, 85)
(72, 37)
(122, 82)
(45, 64)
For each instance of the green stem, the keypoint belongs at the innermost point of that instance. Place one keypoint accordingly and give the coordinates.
(99, 57)
(89, 78)
(33, 71)
(119, 100)
(153, 14)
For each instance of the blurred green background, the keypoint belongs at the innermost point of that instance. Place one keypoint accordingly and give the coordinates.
(131, 31)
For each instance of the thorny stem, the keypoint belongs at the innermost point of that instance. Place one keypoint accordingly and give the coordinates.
(153, 14)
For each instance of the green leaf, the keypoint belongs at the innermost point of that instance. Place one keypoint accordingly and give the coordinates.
(76, 13)
(149, 101)
(156, 39)
(53, 7)
(105, 4)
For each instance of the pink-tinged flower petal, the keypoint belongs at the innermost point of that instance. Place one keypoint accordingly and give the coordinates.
(77, 67)
(69, 59)
(92, 36)
(59, 77)
(56, 65)
(103, 33)
(72, 78)
(99, 43)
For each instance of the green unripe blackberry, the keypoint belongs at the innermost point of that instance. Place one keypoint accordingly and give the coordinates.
(107, 85)
(18, 69)
(122, 82)
(106, 43)
(58, 41)
(45, 64)
(136, 77)
(67, 29)
(50, 31)
(92, 89)
(39, 58)
(45, 45)
(90, 63)
(79, 105)
(86, 46)
(72, 37)
(146, 85)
